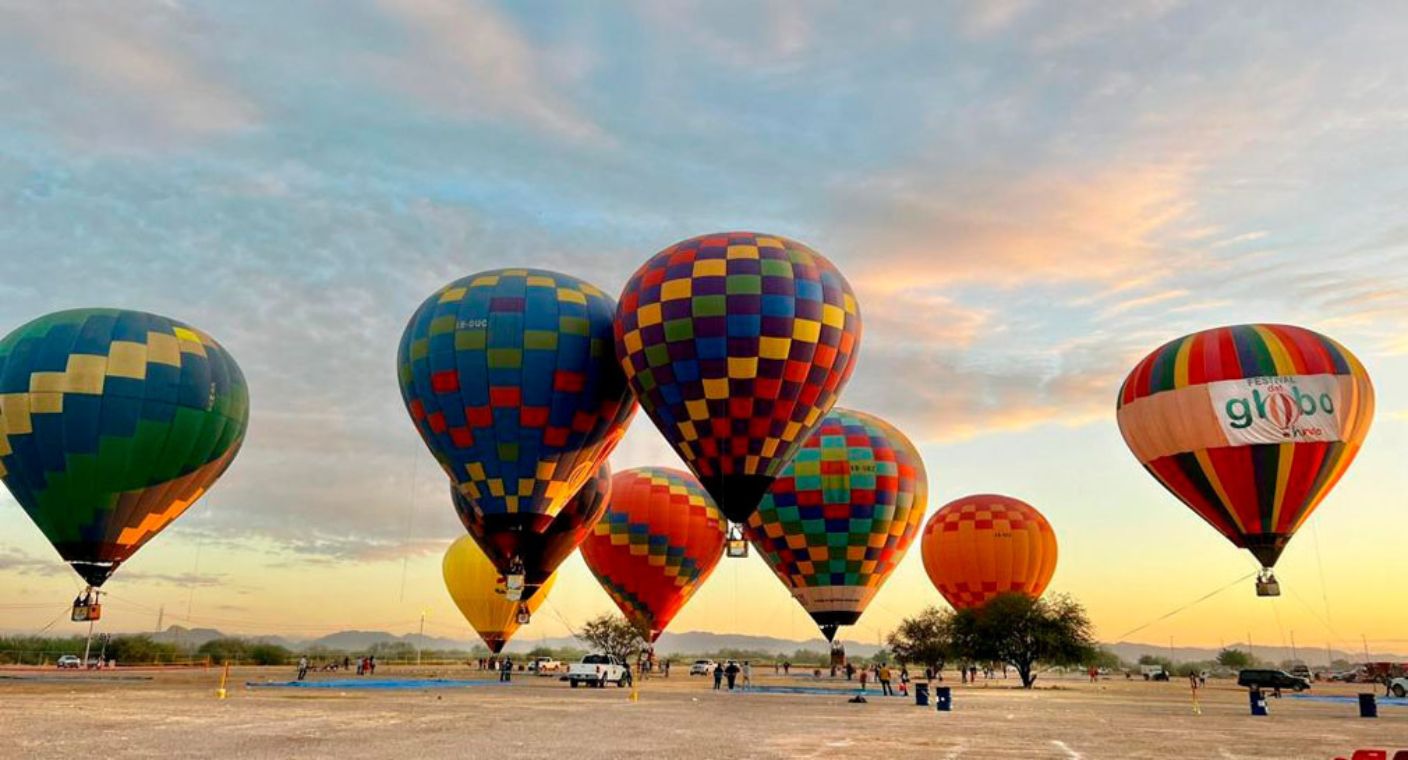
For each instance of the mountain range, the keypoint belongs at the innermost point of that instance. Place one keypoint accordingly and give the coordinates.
(691, 642)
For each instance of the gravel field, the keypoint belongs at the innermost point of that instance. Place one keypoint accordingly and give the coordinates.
(176, 714)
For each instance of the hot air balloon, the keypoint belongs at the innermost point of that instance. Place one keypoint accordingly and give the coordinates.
(1250, 426)
(509, 376)
(736, 344)
(841, 516)
(477, 588)
(112, 424)
(980, 546)
(658, 542)
(540, 553)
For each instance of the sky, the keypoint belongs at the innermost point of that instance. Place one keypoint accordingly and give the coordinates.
(1026, 197)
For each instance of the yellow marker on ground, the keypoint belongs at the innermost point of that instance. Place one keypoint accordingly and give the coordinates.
(220, 693)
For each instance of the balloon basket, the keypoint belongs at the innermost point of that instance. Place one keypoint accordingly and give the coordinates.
(736, 545)
(1266, 583)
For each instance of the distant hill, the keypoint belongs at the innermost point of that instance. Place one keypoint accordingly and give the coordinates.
(696, 642)
(1131, 651)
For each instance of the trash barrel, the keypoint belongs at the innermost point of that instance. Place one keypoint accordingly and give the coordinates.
(943, 698)
(1258, 700)
(921, 694)
(1368, 708)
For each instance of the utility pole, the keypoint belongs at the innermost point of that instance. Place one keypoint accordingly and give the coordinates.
(1365, 642)
(1294, 655)
(421, 639)
(160, 617)
(1329, 656)
(1251, 650)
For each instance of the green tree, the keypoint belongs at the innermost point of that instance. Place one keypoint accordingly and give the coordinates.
(613, 634)
(1021, 631)
(225, 650)
(925, 639)
(1234, 659)
(139, 648)
(269, 654)
(1101, 657)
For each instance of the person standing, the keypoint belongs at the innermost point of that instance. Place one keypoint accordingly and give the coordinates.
(506, 670)
(904, 680)
(371, 665)
(731, 673)
(864, 676)
(885, 681)
(718, 676)
(786, 667)
(850, 671)
(302, 668)
(747, 675)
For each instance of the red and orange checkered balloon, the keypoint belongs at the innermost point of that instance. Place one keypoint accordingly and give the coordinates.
(980, 546)
(658, 542)
(737, 344)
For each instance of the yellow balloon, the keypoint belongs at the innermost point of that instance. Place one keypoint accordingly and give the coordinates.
(476, 586)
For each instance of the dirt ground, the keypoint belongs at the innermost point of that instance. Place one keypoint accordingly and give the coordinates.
(177, 714)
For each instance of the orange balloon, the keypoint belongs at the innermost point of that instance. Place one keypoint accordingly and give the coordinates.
(980, 546)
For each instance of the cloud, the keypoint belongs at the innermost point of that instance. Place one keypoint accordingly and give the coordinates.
(118, 75)
(1049, 223)
(470, 59)
(22, 563)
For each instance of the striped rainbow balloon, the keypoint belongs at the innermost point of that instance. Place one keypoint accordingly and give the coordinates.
(1249, 425)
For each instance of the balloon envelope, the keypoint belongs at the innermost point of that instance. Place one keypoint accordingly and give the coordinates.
(541, 551)
(510, 378)
(842, 515)
(736, 345)
(112, 424)
(1250, 426)
(980, 546)
(474, 585)
(658, 542)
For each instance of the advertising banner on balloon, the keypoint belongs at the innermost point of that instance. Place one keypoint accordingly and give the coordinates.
(1279, 409)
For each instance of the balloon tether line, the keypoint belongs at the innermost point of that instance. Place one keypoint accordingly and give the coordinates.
(1199, 600)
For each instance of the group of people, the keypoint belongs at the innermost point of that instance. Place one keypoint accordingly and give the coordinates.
(731, 671)
(884, 675)
(365, 665)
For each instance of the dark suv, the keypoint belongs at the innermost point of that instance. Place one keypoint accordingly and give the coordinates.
(1272, 679)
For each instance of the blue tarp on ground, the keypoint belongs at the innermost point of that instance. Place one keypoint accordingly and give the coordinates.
(1390, 701)
(871, 693)
(376, 683)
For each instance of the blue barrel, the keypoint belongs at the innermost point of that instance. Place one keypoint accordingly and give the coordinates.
(1258, 700)
(921, 694)
(943, 698)
(1368, 708)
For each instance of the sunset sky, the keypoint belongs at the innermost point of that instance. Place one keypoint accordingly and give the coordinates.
(1026, 198)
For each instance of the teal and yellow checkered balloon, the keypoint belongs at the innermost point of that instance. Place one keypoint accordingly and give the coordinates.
(112, 424)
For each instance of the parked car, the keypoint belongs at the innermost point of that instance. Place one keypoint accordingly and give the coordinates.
(1153, 672)
(1300, 669)
(1398, 687)
(544, 666)
(598, 670)
(702, 667)
(1271, 679)
(70, 661)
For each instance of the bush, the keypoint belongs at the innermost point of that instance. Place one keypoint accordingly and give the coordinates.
(269, 654)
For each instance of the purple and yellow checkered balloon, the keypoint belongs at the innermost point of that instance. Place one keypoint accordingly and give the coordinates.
(737, 344)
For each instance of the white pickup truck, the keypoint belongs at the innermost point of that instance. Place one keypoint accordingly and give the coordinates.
(544, 666)
(598, 670)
